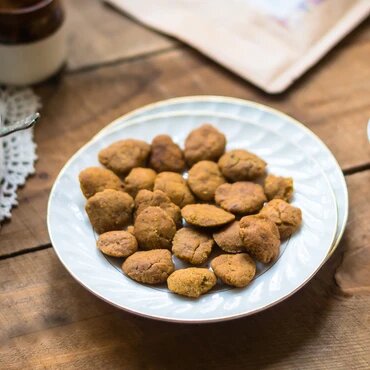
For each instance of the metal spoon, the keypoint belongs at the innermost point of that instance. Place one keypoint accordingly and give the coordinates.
(22, 124)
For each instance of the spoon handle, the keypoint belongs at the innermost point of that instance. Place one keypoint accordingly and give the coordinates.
(22, 124)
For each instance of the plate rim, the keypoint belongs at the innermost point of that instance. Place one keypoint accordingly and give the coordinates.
(165, 318)
(244, 102)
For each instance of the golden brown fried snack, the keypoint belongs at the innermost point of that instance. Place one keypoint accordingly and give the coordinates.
(277, 187)
(157, 198)
(149, 267)
(117, 243)
(122, 156)
(192, 281)
(166, 155)
(241, 197)
(204, 143)
(286, 217)
(109, 210)
(240, 165)
(95, 179)
(192, 246)
(154, 229)
(139, 178)
(206, 215)
(237, 270)
(204, 178)
(228, 238)
(174, 185)
(260, 237)
(130, 229)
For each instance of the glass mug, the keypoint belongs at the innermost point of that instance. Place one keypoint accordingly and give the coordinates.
(32, 40)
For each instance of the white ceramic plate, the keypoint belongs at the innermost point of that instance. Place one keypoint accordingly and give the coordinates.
(248, 111)
(301, 256)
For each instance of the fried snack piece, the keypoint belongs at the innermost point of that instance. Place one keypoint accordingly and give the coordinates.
(239, 165)
(149, 267)
(130, 229)
(95, 179)
(157, 198)
(166, 155)
(241, 197)
(139, 178)
(228, 238)
(117, 243)
(109, 210)
(286, 217)
(174, 185)
(206, 215)
(122, 156)
(277, 187)
(154, 229)
(260, 237)
(204, 178)
(192, 281)
(192, 246)
(204, 143)
(237, 270)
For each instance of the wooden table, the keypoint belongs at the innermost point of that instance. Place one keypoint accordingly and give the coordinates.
(47, 320)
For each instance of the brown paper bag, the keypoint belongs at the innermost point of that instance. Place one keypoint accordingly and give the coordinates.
(268, 42)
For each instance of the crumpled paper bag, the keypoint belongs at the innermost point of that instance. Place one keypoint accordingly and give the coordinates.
(268, 42)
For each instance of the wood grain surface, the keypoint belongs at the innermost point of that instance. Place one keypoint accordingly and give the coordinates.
(78, 105)
(48, 320)
(353, 275)
(97, 34)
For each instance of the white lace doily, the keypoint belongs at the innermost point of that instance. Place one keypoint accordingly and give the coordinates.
(18, 150)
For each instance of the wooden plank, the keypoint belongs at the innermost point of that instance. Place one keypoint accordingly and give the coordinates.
(331, 100)
(353, 275)
(49, 321)
(98, 34)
